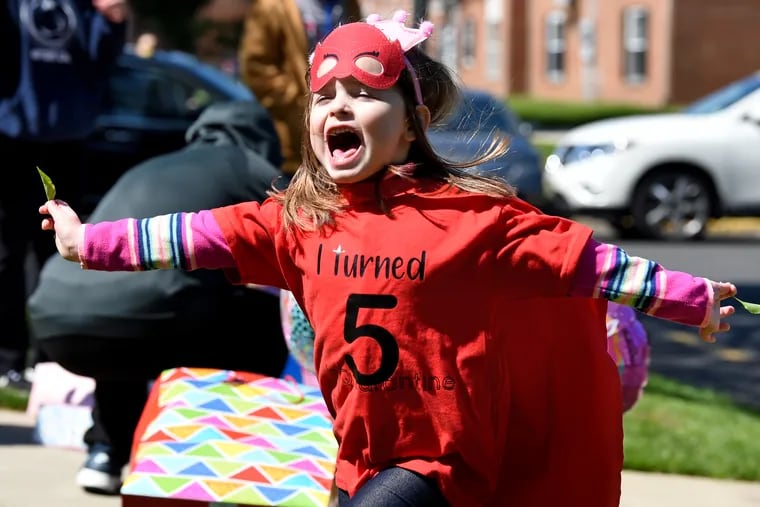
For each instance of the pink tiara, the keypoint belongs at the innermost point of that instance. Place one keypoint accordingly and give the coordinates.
(395, 29)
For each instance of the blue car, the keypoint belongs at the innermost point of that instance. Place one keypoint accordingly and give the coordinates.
(469, 130)
(148, 106)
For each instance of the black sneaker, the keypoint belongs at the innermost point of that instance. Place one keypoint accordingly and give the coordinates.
(100, 474)
(13, 379)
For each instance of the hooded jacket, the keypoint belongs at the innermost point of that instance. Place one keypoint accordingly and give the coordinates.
(55, 57)
(232, 156)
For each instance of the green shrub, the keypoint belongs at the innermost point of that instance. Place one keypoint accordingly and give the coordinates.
(549, 114)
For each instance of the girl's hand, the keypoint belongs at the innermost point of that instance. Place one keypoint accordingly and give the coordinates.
(114, 11)
(66, 225)
(721, 291)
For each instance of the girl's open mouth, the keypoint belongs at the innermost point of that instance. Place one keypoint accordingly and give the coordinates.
(344, 145)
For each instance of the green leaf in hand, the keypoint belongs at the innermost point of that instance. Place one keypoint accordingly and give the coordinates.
(750, 307)
(48, 184)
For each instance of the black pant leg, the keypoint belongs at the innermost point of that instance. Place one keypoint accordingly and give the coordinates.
(18, 219)
(396, 487)
(117, 409)
(21, 235)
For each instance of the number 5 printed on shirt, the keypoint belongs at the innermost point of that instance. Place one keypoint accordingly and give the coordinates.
(383, 337)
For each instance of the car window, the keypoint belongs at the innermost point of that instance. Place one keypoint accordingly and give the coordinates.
(227, 84)
(725, 96)
(152, 92)
(481, 113)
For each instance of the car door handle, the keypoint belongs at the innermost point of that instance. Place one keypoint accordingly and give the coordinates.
(119, 136)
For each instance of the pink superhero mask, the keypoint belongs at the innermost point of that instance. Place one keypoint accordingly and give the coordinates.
(371, 52)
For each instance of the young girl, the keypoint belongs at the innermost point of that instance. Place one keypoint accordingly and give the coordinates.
(460, 333)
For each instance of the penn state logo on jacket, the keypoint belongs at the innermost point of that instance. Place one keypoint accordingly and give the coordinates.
(50, 25)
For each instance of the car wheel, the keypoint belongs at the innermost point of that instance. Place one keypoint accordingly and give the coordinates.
(673, 205)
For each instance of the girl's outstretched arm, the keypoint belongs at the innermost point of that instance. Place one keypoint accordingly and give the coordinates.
(606, 271)
(180, 240)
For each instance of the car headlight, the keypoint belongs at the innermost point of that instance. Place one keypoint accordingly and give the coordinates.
(566, 155)
(580, 153)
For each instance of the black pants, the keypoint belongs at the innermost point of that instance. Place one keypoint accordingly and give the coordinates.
(247, 337)
(395, 487)
(21, 193)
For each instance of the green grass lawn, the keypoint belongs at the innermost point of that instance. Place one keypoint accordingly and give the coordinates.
(10, 398)
(674, 428)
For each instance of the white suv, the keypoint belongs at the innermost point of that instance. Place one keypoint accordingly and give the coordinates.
(664, 175)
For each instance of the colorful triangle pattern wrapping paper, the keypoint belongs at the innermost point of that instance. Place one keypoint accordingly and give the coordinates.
(226, 437)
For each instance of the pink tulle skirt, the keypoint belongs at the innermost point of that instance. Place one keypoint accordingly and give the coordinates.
(628, 345)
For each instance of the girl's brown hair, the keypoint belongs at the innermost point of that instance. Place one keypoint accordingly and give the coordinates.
(312, 199)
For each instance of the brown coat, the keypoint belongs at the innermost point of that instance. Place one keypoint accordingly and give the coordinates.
(273, 64)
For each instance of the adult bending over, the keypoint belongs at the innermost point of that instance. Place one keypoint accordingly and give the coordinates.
(122, 329)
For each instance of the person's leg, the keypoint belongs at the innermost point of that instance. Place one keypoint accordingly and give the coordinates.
(115, 425)
(396, 487)
(18, 219)
(20, 234)
(116, 411)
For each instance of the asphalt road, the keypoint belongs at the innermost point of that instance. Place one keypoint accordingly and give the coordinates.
(732, 365)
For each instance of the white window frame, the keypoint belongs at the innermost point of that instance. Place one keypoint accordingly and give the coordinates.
(555, 45)
(469, 43)
(494, 52)
(636, 30)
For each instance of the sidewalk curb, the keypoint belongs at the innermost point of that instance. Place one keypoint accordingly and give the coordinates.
(646, 489)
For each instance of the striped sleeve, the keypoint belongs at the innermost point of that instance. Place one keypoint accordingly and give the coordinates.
(606, 271)
(184, 241)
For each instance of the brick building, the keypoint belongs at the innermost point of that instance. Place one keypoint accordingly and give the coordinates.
(651, 52)
(648, 52)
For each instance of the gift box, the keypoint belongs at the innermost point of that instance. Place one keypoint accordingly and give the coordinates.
(209, 437)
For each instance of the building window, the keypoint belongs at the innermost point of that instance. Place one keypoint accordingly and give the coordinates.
(468, 43)
(494, 52)
(448, 47)
(555, 45)
(635, 43)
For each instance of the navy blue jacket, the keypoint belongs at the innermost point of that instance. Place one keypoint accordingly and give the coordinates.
(54, 61)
